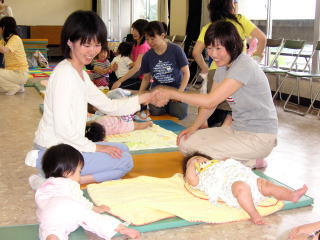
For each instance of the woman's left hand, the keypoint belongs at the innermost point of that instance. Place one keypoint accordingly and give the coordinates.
(114, 152)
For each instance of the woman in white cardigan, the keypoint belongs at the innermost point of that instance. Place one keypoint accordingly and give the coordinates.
(68, 93)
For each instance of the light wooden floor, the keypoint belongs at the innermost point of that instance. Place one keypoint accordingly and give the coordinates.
(295, 161)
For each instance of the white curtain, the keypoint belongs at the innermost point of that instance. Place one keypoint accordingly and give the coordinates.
(163, 11)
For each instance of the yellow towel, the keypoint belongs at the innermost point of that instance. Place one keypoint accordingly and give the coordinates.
(143, 200)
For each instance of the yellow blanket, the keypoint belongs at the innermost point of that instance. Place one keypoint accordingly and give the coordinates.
(143, 200)
(154, 137)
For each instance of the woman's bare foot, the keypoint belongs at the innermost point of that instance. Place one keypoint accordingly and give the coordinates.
(142, 125)
(297, 194)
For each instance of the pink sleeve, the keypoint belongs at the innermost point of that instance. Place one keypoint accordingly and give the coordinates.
(101, 224)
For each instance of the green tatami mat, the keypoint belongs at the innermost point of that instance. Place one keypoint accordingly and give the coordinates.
(30, 232)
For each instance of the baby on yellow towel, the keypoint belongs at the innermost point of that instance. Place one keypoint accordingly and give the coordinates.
(234, 183)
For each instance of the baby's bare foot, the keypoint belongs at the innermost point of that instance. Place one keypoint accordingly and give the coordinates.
(297, 194)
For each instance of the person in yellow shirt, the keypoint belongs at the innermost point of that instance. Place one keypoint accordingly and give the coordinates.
(15, 73)
(226, 10)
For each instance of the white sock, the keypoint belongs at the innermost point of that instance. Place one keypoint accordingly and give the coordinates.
(31, 158)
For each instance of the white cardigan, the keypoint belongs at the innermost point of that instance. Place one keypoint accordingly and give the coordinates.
(65, 108)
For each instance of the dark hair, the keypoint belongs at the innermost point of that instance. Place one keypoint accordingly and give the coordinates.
(95, 132)
(104, 47)
(188, 157)
(61, 160)
(226, 34)
(9, 26)
(222, 10)
(139, 25)
(165, 27)
(154, 28)
(124, 49)
(84, 26)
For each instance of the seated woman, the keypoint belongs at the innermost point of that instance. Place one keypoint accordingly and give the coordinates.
(68, 93)
(164, 64)
(15, 73)
(131, 80)
(239, 80)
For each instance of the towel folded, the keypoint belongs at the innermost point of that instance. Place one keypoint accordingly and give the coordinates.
(144, 200)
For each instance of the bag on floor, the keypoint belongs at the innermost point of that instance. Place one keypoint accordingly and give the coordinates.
(41, 60)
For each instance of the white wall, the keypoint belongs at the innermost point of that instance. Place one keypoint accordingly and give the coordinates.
(45, 12)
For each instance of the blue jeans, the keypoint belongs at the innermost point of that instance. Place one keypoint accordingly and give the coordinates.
(101, 165)
(176, 109)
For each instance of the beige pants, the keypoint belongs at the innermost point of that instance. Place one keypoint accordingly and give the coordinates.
(224, 142)
(11, 80)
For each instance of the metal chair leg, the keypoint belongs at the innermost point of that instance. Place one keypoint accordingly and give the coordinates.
(297, 88)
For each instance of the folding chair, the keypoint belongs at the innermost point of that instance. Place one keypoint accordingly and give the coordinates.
(290, 48)
(170, 37)
(180, 39)
(277, 45)
(296, 87)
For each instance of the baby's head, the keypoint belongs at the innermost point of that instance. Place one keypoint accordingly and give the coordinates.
(62, 160)
(199, 157)
(124, 49)
(95, 132)
(104, 53)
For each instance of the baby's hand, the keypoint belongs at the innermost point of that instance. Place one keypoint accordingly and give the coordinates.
(101, 209)
(134, 234)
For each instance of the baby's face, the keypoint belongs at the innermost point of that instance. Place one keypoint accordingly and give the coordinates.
(196, 159)
(75, 176)
(102, 55)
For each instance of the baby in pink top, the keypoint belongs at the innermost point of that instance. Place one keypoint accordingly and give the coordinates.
(61, 206)
(110, 125)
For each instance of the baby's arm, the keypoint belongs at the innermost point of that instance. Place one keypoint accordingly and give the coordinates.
(100, 209)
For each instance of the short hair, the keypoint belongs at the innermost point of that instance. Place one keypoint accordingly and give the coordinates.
(95, 132)
(154, 28)
(84, 26)
(227, 35)
(125, 49)
(139, 25)
(105, 47)
(188, 157)
(9, 26)
(61, 160)
(221, 10)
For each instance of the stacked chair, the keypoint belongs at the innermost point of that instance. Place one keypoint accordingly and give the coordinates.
(295, 47)
(296, 87)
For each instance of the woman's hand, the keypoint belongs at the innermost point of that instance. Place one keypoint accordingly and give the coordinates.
(185, 134)
(114, 152)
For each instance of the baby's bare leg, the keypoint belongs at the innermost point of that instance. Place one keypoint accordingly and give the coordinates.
(142, 125)
(52, 237)
(268, 188)
(242, 192)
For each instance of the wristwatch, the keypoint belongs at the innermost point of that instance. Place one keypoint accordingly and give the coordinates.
(311, 236)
